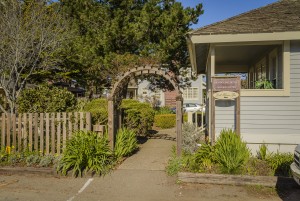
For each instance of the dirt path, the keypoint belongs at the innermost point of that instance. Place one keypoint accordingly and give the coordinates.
(140, 178)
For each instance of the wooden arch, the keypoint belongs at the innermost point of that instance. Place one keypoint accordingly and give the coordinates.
(119, 91)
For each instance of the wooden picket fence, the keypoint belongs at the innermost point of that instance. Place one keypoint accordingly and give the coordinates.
(43, 132)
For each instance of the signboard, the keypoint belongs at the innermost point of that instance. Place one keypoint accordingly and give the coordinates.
(226, 84)
(225, 95)
(225, 88)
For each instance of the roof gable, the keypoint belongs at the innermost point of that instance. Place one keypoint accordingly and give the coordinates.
(281, 16)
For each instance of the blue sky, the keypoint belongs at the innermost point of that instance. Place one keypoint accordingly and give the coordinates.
(217, 10)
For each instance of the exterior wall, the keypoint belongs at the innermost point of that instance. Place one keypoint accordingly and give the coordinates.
(197, 83)
(266, 119)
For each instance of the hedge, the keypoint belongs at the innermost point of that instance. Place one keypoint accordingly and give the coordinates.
(46, 99)
(167, 120)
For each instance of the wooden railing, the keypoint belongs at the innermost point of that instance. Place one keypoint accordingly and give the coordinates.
(43, 132)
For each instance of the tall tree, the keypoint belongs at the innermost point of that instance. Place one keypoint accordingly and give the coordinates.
(31, 31)
(115, 34)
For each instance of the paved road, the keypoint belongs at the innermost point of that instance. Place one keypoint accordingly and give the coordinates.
(140, 178)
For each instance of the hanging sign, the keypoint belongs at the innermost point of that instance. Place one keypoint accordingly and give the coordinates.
(226, 84)
(225, 95)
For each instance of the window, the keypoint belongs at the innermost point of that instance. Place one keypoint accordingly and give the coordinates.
(191, 93)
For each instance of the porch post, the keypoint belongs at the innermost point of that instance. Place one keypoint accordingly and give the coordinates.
(179, 123)
(211, 98)
(111, 122)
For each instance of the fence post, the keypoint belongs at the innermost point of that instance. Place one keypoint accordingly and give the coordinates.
(8, 129)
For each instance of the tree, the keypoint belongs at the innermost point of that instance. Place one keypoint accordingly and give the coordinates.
(112, 35)
(31, 32)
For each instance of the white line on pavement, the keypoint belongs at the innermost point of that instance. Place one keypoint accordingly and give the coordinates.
(87, 183)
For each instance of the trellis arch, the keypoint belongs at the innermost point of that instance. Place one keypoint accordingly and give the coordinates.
(119, 91)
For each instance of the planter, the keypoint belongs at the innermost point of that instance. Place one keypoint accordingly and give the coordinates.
(269, 181)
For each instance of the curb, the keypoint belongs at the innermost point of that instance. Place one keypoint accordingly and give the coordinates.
(240, 180)
(28, 171)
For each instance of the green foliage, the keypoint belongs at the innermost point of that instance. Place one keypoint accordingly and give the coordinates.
(191, 137)
(86, 151)
(138, 116)
(111, 35)
(258, 167)
(46, 99)
(204, 159)
(280, 163)
(163, 110)
(126, 143)
(262, 152)
(165, 120)
(98, 109)
(231, 152)
(264, 84)
(174, 163)
(10, 157)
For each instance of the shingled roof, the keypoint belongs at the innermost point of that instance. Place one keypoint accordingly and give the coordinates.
(281, 16)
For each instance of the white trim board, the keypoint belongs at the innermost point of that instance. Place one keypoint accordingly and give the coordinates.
(223, 38)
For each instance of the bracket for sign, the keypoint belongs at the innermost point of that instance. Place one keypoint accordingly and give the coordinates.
(225, 88)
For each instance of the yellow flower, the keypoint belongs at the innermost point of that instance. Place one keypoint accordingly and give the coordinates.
(8, 149)
(13, 147)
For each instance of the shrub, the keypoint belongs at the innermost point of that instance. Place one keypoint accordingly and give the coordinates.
(258, 167)
(163, 110)
(231, 152)
(174, 163)
(280, 163)
(86, 151)
(98, 109)
(126, 143)
(138, 116)
(165, 120)
(45, 99)
(191, 137)
(262, 152)
(204, 159)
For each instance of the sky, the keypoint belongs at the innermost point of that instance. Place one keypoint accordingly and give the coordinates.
(217, 10)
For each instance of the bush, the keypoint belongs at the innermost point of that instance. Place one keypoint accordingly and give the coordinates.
(280, 163)
(204, 159)
(231, 152)
(86, 151)
(98, 109)
(126, 143)
(165, 120)
(163, 110)
(191, 137)
(138, 116)
(258, 167)
(46, 99)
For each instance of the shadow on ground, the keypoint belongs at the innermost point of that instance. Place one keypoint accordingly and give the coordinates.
(287, 189)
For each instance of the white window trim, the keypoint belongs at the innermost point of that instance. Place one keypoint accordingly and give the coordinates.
(187, 98)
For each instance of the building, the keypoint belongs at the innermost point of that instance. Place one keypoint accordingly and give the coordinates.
(263, 45)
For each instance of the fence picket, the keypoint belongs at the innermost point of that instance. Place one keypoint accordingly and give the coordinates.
(36, 130)
(81, 121)
(14, 130)
(19, 132)
(58, 133)
(3, 130)
(53, 133)
(30, 131)
(8, 130)
(25, 136)
(64, 121)
(70, 124)
(47, 133)
(42, 132)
